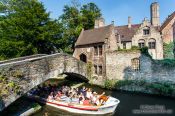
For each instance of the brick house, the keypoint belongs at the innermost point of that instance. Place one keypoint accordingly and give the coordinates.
(92, 45)
(167, 29)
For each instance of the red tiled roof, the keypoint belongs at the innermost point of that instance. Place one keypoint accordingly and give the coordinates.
(126, 33)
(96, 35)
(167, 21)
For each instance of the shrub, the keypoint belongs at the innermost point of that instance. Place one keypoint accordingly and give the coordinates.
(121, 83)
(167, 62)
(163, 89)
(144, 51)
(109, 84)
(135, 48)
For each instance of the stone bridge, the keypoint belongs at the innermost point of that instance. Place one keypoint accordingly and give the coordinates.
(23, 74)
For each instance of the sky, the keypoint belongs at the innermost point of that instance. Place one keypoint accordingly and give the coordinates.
(116, 10)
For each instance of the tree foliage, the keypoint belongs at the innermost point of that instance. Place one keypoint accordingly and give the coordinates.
(168, 50)
(75, 18)
(27, 29)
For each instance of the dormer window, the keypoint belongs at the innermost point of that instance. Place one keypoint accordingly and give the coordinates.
(146, 31)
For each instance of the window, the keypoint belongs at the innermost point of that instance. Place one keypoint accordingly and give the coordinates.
(146, 30)
(124, 45)
(135, 64)
(141, 43)
(152, 44)
(95, 51)
(100, 70)
(95, 67)
(98, 50)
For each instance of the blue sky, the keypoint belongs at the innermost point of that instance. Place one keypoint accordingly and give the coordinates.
(117, 10)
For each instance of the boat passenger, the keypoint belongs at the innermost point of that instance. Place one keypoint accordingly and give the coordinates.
(81, 100)
(50, 97)
(103, 99)
(89, 93)
(86, 102)
(83, 91)
(75, 99)
(95, 99)
(68, 99)
(81, 95)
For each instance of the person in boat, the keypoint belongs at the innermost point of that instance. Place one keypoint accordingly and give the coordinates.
(50, 97)
(86, 102)
(58, 95)
(75, 99)
(78, 91)
(83, 91)
(95, 99)
(81, 100)
(68, 99)
(89, 93)
(103, 98)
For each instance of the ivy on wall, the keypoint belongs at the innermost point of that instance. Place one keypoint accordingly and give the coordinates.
(168, 50)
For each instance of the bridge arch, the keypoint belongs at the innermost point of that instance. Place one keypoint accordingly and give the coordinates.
(31, 72)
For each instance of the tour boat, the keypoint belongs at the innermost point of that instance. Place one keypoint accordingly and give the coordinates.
(108, 108)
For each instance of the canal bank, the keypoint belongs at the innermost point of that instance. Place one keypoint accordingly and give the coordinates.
(140, 86)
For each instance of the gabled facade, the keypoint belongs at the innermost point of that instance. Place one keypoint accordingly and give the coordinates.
(92, 45)
(141, 35)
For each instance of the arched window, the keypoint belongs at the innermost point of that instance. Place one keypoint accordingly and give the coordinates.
(135, 64)
(83, 58)
(141, 43)
(146, 31)
(152, 43)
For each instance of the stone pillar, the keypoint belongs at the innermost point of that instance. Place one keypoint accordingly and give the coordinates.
(155, 17)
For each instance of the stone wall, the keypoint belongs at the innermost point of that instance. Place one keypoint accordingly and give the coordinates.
(119, 67)
(29, 73)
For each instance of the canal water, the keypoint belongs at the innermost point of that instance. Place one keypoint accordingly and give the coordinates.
(131, 104)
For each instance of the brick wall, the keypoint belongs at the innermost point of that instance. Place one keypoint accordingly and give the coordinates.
(167, 32)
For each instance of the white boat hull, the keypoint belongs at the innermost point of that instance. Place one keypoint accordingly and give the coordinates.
(108, 108)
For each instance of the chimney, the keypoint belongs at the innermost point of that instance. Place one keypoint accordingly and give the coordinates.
(99, 23)
(112, 22)
(129, 22)
(155, 17)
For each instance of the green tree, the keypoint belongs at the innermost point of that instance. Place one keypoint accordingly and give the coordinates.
(74, 19)
(71, 20)
(27, 29)
(90, 12)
